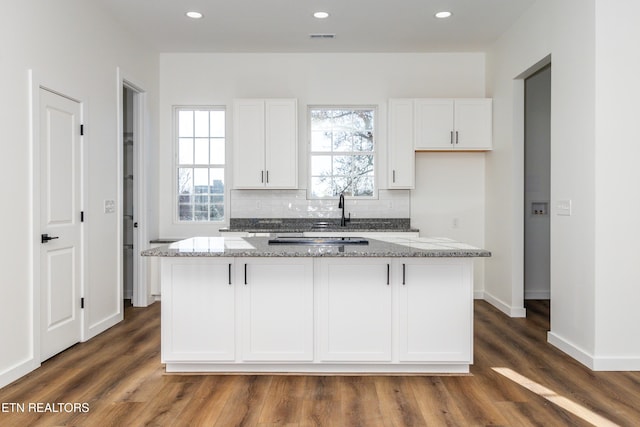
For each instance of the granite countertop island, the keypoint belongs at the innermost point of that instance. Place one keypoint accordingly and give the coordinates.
(260, 247)
(394, 305)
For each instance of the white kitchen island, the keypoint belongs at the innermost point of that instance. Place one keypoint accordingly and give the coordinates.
(233, 304)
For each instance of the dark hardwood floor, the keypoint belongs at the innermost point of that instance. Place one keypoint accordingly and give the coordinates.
(119, 379)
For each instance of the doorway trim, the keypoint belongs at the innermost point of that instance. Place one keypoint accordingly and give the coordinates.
(141, 296)
(35, 85)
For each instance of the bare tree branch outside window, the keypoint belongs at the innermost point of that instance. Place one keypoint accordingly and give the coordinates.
(342, 152)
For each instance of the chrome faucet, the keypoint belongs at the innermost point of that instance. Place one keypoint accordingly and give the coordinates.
(343, 220)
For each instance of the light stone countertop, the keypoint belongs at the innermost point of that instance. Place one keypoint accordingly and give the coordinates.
(259, 247)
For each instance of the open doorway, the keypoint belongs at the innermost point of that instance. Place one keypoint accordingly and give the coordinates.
(132, 200)
(537, 184)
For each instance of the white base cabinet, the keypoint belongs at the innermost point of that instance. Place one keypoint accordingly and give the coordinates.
(277, 309)
(198, 310)
(324, 314)
(435, 311)
(354, 309)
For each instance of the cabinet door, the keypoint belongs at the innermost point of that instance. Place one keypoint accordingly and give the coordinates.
(473, 124)
(401, 151)
(354, 310)
(435, 310)
(281, 143)
(434, 125)
(277, 308)
(249, 143)
(198, 310)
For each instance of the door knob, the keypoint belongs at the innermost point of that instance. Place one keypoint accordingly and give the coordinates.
(45, 238)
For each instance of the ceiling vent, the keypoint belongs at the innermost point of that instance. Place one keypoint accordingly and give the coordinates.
(322, 36)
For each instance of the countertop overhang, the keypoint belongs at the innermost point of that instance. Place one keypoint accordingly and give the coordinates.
(260, 247)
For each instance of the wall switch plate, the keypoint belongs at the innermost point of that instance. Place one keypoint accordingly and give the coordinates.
(563, 207)
(109, 206)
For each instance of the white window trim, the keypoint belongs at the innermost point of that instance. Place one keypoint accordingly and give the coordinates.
(376, 143)
(174, 168)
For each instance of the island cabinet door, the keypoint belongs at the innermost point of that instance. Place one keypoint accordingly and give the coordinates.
(276, 308)
(354, 309)
(435, 310)
(198, 309)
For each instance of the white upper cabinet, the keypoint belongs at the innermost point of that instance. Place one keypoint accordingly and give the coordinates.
(265, 147)
(453, 124)
(401, 145)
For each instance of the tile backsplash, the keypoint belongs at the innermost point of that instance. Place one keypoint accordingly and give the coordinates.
(294, 204)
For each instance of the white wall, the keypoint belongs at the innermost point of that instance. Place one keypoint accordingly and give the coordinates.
(593, 282)
(449, 201)
(74, 48)
(617, 150)
(343, 79)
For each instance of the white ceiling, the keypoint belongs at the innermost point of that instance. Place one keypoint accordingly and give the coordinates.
(285, 25)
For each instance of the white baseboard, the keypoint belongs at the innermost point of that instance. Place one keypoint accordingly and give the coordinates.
(609, 363)
(504, 307)
(102, 326)
(17, 371)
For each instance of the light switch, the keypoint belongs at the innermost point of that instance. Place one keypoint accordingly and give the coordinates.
(109, 206)
(563, 207)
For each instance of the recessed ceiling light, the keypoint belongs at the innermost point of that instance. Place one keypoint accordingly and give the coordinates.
(194, 15)
(443, 14)
(321, 15)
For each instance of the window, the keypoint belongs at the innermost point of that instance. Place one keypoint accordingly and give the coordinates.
(342, 152)
(200, 164)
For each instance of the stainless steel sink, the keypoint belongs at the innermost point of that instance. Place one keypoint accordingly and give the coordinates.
(320, 241)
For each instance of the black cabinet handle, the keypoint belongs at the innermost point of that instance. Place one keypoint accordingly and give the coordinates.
(388, 269)
(262, 177)
(229, 273)
(394, 175)
(451, 137)
(404, 282)
(456, 137)
(267, 177)
(245, 274)
(44, 238)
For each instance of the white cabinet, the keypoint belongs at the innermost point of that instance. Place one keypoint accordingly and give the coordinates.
(435, 298)
(323, 315)
(453, 124)
(354, 310)
(401, 144)
(277, 308)
(198, 311)
(265, 143)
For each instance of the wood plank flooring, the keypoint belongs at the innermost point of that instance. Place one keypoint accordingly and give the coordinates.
(119, 376)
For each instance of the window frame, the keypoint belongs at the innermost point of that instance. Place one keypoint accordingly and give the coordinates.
(176, 165)
(374, 152)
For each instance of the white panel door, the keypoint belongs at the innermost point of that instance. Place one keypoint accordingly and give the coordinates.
(248, 144)
(281, 143)
(434, 125)
(277, 308)
(355, 309)
(60, 204)
(198, 309)
(435, 309)
(473, 123)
